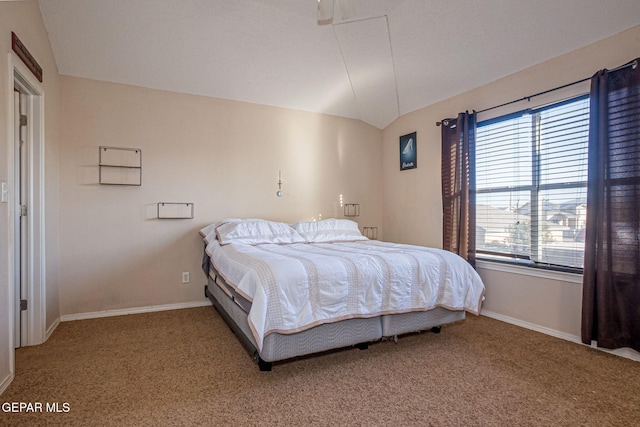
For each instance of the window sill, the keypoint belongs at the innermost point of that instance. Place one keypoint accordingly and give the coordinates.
(529, 271)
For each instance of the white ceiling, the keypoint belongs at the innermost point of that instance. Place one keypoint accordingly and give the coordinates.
(398, 55)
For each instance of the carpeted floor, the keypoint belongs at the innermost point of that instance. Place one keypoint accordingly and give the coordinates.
(185, 367)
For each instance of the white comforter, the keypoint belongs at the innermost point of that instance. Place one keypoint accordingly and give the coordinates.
(294, 287)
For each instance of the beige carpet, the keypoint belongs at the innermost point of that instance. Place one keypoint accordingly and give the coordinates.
(185, 367)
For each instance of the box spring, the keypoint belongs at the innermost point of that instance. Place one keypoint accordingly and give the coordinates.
(398, 324)
(324, 337)
(285, 346)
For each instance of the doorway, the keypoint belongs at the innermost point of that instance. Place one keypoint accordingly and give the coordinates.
(19, 223)
(27, 262)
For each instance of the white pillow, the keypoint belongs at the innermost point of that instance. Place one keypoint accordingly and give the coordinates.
(257, 231)
(208, 233)
(329, 230)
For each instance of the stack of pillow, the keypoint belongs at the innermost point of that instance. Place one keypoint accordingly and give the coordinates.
(260, 231)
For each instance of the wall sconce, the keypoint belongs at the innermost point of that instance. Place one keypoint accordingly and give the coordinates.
(279, 193)
(351, 209)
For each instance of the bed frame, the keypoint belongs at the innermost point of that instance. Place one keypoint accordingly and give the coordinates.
(352, 332)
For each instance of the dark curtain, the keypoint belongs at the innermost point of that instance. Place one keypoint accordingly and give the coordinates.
(458, 186)
(611, 284)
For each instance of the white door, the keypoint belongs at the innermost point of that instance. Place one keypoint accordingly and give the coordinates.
(20, 219)
(27, 233)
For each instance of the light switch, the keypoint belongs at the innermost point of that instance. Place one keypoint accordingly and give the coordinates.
(4, 195)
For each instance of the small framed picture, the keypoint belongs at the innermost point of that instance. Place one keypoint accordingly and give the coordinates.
(408, 153)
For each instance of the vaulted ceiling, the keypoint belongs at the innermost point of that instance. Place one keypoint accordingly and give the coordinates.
(390, 58)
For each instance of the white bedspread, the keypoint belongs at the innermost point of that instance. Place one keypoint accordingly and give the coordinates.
(294, 287)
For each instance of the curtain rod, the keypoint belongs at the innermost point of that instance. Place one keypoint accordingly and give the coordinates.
(632, 64)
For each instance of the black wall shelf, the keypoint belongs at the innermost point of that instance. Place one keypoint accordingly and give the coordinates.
(119, 166)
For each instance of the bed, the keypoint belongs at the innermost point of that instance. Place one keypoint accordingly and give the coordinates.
(289, 290)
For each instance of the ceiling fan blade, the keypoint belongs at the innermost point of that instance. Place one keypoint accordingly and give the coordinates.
(325, 12)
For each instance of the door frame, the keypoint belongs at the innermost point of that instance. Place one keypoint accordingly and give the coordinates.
(19, 75)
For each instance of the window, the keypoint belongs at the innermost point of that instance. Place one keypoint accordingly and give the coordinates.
(531, 185)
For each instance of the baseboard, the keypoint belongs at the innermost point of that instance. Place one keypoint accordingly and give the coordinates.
(623, 352)
(5, 382)
(51, 328)
(532, 326)
(137, 310)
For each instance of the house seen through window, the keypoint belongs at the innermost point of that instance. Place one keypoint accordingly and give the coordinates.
(531, 185)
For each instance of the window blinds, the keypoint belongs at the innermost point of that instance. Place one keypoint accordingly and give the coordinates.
(531, 178)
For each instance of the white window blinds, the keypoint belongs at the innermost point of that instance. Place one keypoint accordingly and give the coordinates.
(531, 183)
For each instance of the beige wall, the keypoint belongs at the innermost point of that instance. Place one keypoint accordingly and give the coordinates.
(223, 156)
(24, 19)
(412, 199)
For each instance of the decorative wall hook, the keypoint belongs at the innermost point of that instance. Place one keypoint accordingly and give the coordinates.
(279, 193)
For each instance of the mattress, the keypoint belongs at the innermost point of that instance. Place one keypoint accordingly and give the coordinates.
(392, 325)
(293, 287)
(236, 297)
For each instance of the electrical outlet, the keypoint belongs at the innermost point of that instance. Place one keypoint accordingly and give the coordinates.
(185, 277)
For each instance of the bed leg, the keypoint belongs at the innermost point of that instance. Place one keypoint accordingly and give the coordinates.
(436, 329)
(206, 287)
(362, 346)
(395, 339)
(264, 366)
